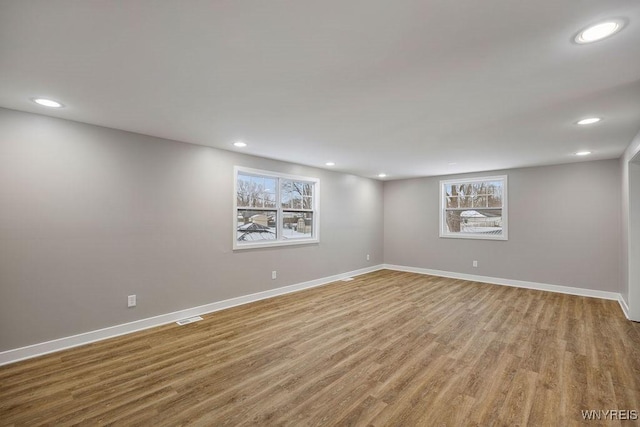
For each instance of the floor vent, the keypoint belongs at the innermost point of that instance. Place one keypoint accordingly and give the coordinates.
(189, 320)
(347, 279)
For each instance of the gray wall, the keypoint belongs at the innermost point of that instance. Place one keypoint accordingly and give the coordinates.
(564, 227)
(630, 256)
(90, 215)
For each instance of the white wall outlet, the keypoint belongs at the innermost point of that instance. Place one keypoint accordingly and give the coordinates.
(475, 263)
(131, 301)
(367, 257)
(274, 275)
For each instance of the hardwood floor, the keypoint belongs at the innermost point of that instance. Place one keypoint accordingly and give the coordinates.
(388, 348)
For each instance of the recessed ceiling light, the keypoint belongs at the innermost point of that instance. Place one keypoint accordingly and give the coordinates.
(599, 31)
(382, 175)
(589, 121)
(452, 163)
(583, 153)
(240, 144)
(330, 164)
(47, 102)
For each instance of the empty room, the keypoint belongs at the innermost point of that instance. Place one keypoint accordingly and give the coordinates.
(367, 213)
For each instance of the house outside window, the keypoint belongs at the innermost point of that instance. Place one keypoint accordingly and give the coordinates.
(474, 208)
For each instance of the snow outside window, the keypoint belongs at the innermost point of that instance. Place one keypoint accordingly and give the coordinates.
(474, 208)
(273, 209)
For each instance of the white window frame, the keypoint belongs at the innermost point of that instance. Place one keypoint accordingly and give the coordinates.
(443, 212)
(280, 241)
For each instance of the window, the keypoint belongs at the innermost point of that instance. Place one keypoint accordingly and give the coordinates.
(272, 209)
(474, 208)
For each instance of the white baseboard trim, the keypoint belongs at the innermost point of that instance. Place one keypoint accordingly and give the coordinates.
(624, 307)
(510, 282)
(28, 352)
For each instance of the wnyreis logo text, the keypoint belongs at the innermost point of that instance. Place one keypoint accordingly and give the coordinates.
(609, 414)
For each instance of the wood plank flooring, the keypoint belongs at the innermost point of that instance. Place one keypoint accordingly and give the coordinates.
(388, 348)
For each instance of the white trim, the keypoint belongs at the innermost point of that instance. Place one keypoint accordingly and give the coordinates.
(280, 241)
(40, 349)
(510, 282)
(263, 172)
(28, 352)
(624, 307)
(504, 208)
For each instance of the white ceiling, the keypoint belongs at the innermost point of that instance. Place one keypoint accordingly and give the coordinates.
(402, 87)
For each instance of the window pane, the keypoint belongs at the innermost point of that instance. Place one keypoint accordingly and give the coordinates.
(286, 188)
(296, 194)
(473, 189)
(270, 193)
(307, 202)
(270, 200)
(285, 198)
(465, 201)
(255, 191)
(480, 202)
(296, 225)
(494, 187)
(243, 188)
(453, 221)
(256, 225)
(480, 221)
(296, 202)
(495, 201)
(452, 202)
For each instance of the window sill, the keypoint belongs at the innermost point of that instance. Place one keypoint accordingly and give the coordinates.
(473, 236)
(240, 246)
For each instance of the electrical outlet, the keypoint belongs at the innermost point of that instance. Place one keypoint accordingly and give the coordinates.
(475, 263)
(367, 257)
(274, 275)
(131, 301)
